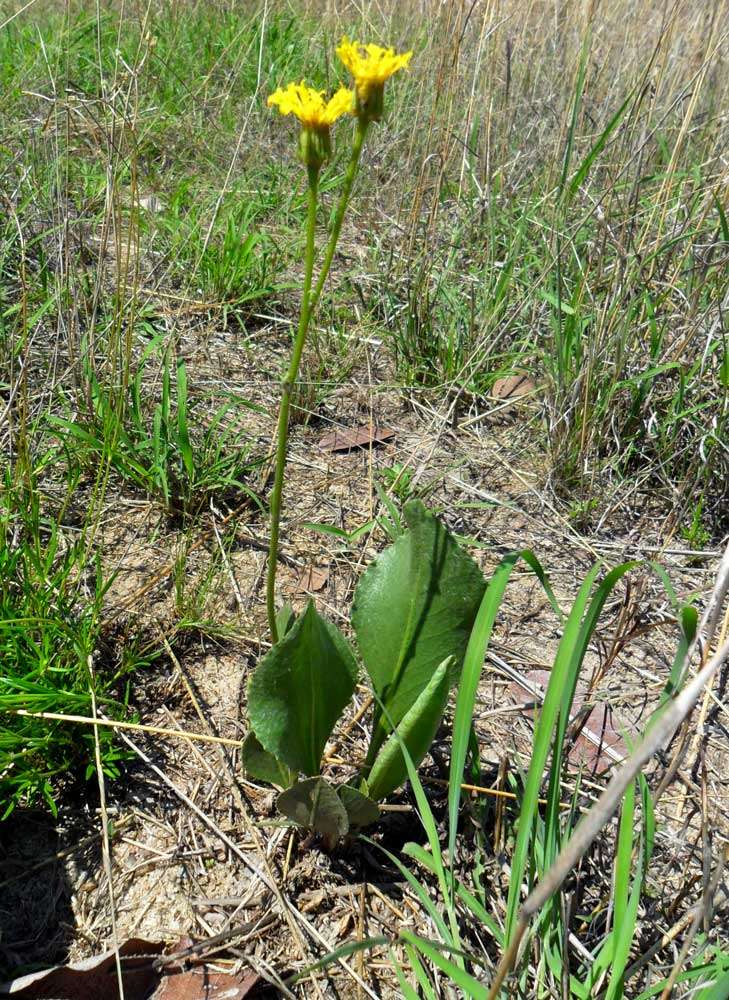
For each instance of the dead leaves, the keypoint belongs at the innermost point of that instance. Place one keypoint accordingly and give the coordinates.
(312, 579)
(144, 977)
(512, 387)
(349, 438)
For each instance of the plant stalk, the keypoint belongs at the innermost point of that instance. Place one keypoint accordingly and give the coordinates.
(287, 384)
(359, 135)
(308, 304)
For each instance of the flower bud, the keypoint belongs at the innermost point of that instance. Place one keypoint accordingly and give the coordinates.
(370, 102)
(315, 145)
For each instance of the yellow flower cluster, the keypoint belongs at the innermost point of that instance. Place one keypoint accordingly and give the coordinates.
(309, 105)
(371, 66)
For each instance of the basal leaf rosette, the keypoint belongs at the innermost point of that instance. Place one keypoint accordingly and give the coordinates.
(316, 115)
(371, 67)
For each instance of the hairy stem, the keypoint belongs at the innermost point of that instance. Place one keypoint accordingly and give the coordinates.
(344, 197)
(282, 433)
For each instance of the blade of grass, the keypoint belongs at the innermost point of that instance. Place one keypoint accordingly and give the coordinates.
(433, 951)
(471, 672)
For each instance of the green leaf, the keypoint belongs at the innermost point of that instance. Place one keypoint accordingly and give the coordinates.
(183, 436)
(584, 168)
(285, 618)
(434, 951)
(719, 989)
(314, 804)
(405, 988)
(551, 726)
(261, 765)
(414, 607)
(479, 912)
(360, 808)
(299, 690)
(473, 663)
(416, 730)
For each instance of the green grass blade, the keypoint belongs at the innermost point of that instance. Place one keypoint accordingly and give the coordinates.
(420, 891)
(542, 742)
(471, 672)
(717, 991)
(576, 105)
(573, 654)
(472, 988)
(624, 935)
(420, 974)
(183, 436)
(584, 168)
(481, 914)
(351, 948)
(623, 859)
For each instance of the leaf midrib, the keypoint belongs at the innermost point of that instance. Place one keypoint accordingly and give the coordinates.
(408, 634)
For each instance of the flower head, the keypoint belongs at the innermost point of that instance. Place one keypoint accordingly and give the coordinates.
(309, 105)
(371, 66)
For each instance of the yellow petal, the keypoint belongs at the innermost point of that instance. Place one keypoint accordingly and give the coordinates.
(371, 64)
(308, 104)
(340, 104)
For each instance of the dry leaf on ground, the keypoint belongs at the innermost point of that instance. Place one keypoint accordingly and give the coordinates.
(512, 387)
(93, 978)
(312, 578)
(348, 438)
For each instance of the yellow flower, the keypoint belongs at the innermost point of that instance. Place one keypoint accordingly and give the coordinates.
(371, 66)
(309, 105)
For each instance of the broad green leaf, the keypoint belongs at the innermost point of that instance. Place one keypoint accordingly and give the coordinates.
(299, 690)
(416, 730)
(314, 804)
(427, 819)
(360, 808)
(285, 618)
(414, 607)
(261, 765)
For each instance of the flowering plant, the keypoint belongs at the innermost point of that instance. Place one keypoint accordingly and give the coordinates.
(415, 605)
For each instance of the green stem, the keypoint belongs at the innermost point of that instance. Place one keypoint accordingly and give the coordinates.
(359, 135)
(282, 433)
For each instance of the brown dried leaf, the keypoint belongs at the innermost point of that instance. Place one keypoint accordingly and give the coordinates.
(599, 744)
(512, 387)
(203, 983)
(93, 978)
(348, 438)
(312, 578)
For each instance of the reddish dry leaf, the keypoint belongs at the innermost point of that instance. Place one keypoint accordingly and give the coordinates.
(599, 744)
(96, 978)
(355, 437)
(202, 984)
(93, 978)
(312, 578)
(512, 387)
